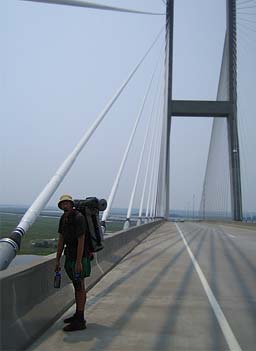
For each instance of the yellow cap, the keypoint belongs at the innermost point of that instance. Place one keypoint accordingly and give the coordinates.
(65, 198)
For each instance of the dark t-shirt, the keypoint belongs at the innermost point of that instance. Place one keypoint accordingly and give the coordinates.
(72, 226)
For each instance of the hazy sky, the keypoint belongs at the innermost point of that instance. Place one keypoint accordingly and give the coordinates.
(60, 66)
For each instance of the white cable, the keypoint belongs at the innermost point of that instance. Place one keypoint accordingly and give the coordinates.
(120, 171)
(86, 4)
(155, 189)
(161, 196)
(149, 154)
(147, 170)
(153, 165)
(142, 151)
(244, 2)
(154, 168)
(157, 131)
(151, 176)
(38, 205)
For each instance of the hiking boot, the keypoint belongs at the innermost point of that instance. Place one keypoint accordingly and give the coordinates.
(75, 325)
(70, 319)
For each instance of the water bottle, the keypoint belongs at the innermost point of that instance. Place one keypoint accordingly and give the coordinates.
(77, 276)
(57, 280)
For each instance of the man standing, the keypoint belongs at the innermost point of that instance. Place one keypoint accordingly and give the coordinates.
(72, 234)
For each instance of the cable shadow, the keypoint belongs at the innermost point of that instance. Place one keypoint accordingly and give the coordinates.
(120, 323)
(194, 227)
(216, 331)
(240, 252)
(164, 232)
(165, 343)
(249, 299)
(135, 270)
(93, 300)
(145, 250)
(145, 240)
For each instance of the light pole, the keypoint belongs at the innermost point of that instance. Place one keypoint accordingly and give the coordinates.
(193, 206)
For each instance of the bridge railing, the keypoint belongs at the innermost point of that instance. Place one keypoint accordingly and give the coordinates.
(29, 302)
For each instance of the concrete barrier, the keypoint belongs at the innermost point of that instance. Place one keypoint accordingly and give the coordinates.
(30, 304)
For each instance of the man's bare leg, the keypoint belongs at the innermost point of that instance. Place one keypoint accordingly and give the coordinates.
(80, 296)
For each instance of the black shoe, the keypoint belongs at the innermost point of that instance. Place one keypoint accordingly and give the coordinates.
(70, 319)
(75, 325)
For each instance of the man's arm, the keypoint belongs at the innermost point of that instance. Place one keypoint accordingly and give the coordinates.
(80, 251)
(60, 248)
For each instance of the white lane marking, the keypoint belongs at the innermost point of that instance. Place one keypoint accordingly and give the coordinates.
(227, 331)
(230, 235)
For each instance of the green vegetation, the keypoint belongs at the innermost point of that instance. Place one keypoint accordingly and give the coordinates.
(43, 228)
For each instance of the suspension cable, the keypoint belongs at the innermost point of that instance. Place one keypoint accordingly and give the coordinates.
(143, 147)
(150, 151)
(152, 176)
(162, 165)
(205, 197)
(159, 198)
(86, 4)
(40, 202)
(117, 180)
(154, 160)
(246, 7)
(156, 168)
(154, 198)
(244, 2)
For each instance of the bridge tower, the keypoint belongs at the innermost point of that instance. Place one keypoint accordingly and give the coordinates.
(188, 108)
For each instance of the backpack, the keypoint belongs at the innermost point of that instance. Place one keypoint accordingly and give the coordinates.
(90, 208)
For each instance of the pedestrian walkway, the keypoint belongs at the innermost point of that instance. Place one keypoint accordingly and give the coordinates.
(152, 300)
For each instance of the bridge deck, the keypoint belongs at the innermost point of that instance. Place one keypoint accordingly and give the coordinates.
(155, 300)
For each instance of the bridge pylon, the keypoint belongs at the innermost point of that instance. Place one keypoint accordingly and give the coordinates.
(188, 108)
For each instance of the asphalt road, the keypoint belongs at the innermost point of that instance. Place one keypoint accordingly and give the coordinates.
(228, 261)
(188, 286)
